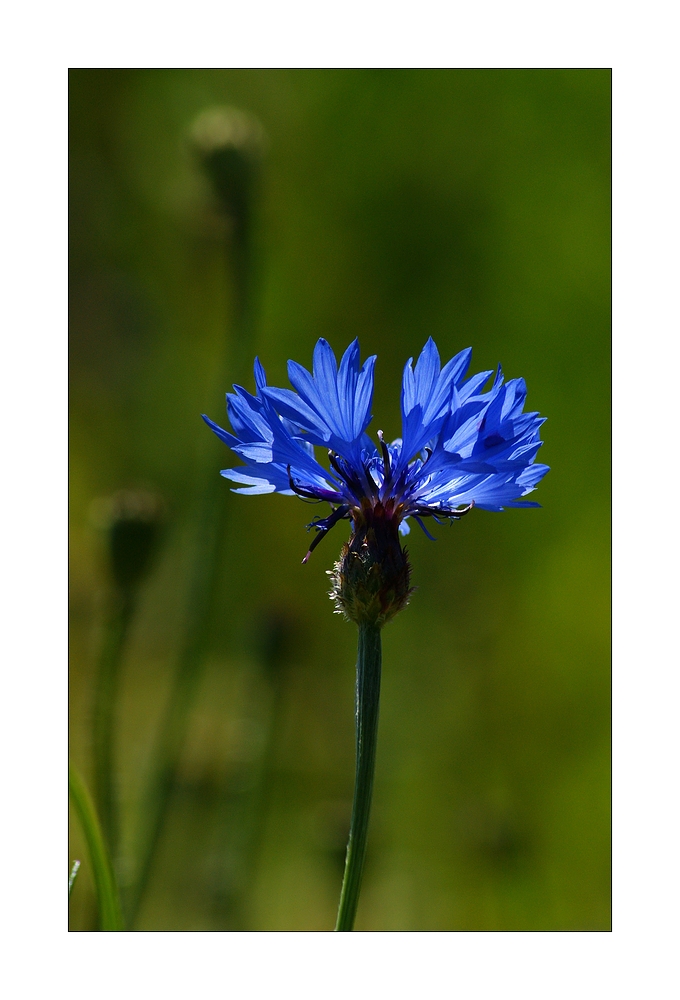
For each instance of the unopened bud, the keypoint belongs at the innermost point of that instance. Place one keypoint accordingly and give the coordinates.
(230, 145)
(276, 636)
(133, 521)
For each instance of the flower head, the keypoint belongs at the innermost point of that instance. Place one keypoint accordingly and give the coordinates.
(461, 447)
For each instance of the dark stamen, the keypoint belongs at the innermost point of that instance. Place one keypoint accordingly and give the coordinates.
(456, 513)
(333, 519)
(334, 462)
(428, 452)
(386, 459)
(437, 512)
(297, 489)
(346, 476)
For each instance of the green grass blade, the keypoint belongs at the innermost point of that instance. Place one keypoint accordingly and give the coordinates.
(105, 703)
(110, 918)
(72, 876)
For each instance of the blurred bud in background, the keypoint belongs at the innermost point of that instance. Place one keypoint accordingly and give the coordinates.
(133, 521)
(276, 637)
(229, 145)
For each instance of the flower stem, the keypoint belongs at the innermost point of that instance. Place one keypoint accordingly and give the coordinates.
(211, 519)
(175, 722)
(110, 918)
(106, 703)
(369, 660)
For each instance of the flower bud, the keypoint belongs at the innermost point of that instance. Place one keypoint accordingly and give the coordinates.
(229, 144)
(371, 580)
(132, 521)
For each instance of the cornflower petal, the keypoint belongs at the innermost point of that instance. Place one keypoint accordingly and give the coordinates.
(292, 406)
(426, 396)
(229, 439)
(332, 405)
(254, 484)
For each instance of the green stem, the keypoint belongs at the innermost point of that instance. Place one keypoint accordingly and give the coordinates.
(104, 717)
(175, 723)
(212, 519)
(369, 662)
(110, 918)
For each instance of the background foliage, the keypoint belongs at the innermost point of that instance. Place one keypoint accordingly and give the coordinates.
(391, 205)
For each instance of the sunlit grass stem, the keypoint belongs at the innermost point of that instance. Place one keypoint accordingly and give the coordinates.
(369, 661)
(72, 877)
(110, 917)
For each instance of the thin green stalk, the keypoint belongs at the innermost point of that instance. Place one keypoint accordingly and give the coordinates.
(72, 877)
(231, 166)
(175, 724)
(110, 918)
(212, 517)
(247, 796)
(369, 660)
(103, 721)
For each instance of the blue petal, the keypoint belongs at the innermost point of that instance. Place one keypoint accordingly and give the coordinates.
(470, 387)
(427, 397)
(292, 406)
(255, 484)
(225, 436)
(459, 444)
(335, 405)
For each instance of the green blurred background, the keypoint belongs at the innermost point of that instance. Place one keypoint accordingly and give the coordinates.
(473, 206)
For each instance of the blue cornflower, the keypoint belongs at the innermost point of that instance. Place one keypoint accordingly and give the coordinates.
(460, 447)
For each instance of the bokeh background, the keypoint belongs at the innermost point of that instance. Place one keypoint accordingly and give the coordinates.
(473, 206)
